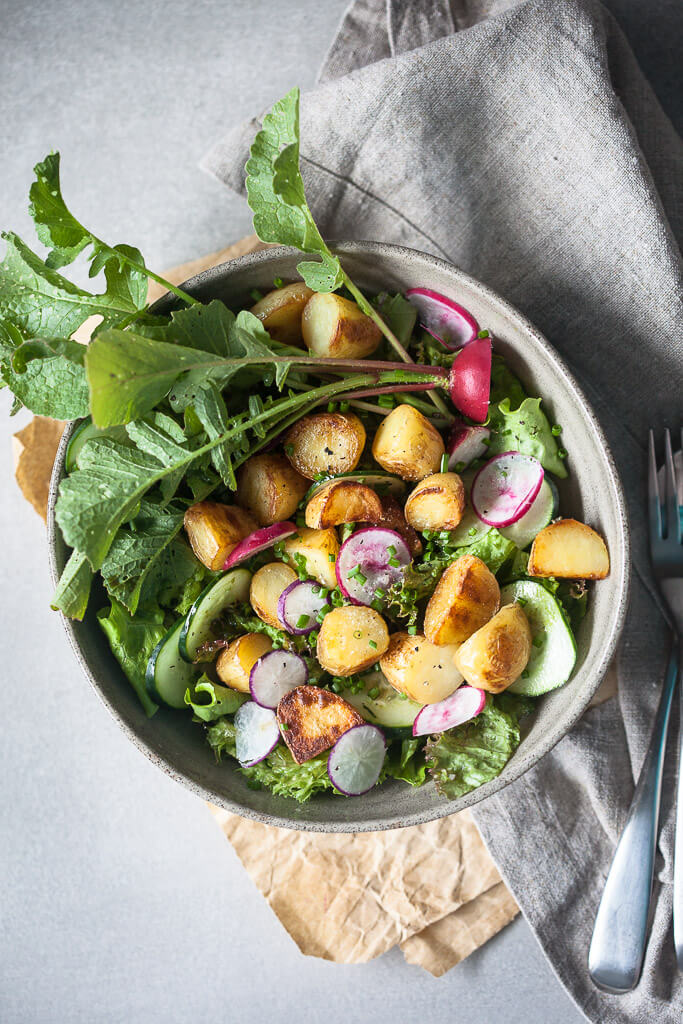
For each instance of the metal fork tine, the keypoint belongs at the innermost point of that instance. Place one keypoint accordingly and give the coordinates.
(673, 520)
(655, 505)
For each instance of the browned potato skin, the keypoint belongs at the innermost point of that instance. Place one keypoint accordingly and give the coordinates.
(280, 312)
(437, 503)
(392, 518)
(422, 671)
(312, 720)
(407, 444)
(497, 654)
(320, 549)
(343, 641)
(270, 488)
(213, 530)
(335, 328)
(569, 549)
(266, 586)
(342, 501)
(465, 598)
(325, 442)
(234, 664)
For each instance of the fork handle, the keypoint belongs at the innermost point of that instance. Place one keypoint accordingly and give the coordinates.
(617, 948)
(678, 849)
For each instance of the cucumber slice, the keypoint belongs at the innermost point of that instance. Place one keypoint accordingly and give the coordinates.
(231, 588)
(383, 483)
(552, 661)
(388, 708)
(168, 676)
(86, 431)
(539, 515)
(470, 529)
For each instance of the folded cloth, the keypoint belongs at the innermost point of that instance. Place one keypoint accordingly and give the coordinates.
(522, 143)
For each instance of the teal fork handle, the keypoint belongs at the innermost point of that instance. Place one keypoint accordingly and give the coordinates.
(678, 851)
(617, 948)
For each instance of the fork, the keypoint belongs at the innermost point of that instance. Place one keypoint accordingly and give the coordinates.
(617, 948)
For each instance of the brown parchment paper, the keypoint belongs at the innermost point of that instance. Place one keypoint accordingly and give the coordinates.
(431, 889)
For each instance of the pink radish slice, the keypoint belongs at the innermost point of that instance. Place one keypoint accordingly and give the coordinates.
(256, 733)
(356, 760)
(299, 606)
(466, 443)
(370, 560)
(443, 318)
(462, 705)
(470, 383)
(274, 675)
(504, 489)
(257, 541)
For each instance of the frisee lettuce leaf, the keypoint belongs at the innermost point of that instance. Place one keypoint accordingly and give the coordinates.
(210, 701)
(405, 761)
(526, 430)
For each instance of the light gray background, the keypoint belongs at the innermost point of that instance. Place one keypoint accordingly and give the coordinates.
(121, 901)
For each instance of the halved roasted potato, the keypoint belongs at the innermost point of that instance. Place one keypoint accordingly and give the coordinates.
(465, 598)
(342, 501)
(280, 312)
(437, 503)
(266, 586)
(319, 549)
(213, 530)
(270, 488)
(407, 444)
(424, 672)
(335, 328)
(312, 720)
(570, 550)
(497, 654)
(351, 639)
(325, 442)
(234, 664)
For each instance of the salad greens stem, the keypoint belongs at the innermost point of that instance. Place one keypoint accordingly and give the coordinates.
(134, 265)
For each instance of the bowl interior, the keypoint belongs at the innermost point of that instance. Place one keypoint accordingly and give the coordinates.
(592, 493)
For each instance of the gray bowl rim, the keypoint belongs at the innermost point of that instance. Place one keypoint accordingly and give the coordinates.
(619, 560)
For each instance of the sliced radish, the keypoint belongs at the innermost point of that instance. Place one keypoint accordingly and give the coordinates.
(299, 606)
(466, 443)
(504, 489)
(371, 560)
(470, 383)
(256, 733)
(257, 541)
(462, 705)
(274, 675)
(356, 760)
(443, 318)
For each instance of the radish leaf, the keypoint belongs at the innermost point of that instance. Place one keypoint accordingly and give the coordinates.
(73, 590)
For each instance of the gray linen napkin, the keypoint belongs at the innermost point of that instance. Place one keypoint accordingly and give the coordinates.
(522, 143)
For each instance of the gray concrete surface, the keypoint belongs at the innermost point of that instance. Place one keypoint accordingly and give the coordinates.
(121, 901)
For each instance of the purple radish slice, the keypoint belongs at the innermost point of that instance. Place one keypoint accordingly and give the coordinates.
(356, 760)
(370, 561)
(256, 733)
(257, 541)
(465, 703)
(444, 319)
(505, 488)
(274, 675)
(466, 443)
(299, 606)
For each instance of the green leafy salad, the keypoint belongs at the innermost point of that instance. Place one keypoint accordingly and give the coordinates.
(322, 524)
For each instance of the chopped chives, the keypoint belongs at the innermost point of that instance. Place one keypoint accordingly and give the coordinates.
(373, 694)
(343, 407)
(277, 282)
(391, 550)
(393, 562)
(302, 621)
(472, 531)
(444, 463)
(372, 643)
(412, 630)
(556, 430)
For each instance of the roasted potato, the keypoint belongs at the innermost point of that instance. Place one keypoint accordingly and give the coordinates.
(351, 639)
(342, 501)
(335, 328)
(465, 598)
(266, 586)
(392, 518)
(497, 654)
(213, 530)
(235, 663)
(437, 503)
(325, 442)
(270, 488)
(312, 720)
(570, 550)
(319, 548)
(280, 312)
(407, 444)
(420, 669)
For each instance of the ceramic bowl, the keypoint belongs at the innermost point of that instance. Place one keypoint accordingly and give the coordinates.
(592, 493)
